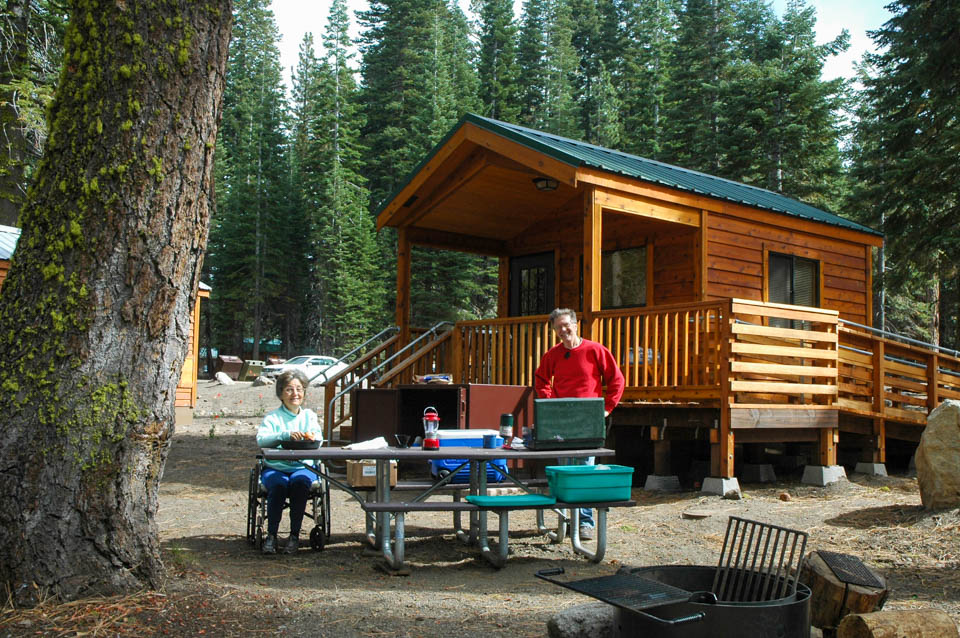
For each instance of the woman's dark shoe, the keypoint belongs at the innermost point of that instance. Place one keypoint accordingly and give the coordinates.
(270, 544)
(293, 544)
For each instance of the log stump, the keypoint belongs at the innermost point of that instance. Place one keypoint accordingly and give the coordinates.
(831, 599)
(915, 623)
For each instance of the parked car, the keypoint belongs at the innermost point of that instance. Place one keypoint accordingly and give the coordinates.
(318, 368)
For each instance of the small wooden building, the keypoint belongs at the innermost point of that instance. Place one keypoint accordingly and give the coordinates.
(187, 387)
(726, 305)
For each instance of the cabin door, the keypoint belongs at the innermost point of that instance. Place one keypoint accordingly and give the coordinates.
(531, 284)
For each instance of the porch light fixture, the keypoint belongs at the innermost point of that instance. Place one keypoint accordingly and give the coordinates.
(545, 184)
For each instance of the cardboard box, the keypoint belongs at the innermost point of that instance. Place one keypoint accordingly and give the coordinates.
(364, 473)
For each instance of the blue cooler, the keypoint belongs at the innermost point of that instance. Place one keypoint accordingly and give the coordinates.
(466, 438)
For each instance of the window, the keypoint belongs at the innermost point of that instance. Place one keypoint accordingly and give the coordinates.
(531, 284)
(793, 280)
(623, 278)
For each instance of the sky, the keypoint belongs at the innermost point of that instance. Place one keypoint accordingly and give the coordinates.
(296, 17)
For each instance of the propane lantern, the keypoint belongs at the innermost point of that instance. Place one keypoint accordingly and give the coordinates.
(431, 423)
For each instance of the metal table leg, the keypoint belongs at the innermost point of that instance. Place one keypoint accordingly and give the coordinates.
(597, 555)
(370, 523)
(558, 536)
(497, 558)
(392, 555)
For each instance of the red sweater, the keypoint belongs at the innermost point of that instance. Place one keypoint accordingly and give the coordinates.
(582, 374)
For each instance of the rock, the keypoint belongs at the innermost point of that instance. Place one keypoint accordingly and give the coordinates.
(223, 378)
(261, 380)
(589, 620)
(696, 514)
(785, 496)
(733, 495)
(938, 458)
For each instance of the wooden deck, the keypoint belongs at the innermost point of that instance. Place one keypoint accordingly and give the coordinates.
(773, 372)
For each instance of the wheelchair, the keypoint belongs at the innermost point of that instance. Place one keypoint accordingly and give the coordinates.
(318, 510)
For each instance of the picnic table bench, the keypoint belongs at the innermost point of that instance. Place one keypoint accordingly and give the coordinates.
(502, 506)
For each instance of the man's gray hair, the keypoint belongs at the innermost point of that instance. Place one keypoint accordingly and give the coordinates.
(561, 312)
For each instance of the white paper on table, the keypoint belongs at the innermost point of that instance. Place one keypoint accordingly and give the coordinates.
(373, 444)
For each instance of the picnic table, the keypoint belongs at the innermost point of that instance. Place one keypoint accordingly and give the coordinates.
(379, 506)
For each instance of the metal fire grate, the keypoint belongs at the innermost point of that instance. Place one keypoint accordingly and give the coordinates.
(850, 569)
(622, 589)
(759, 562)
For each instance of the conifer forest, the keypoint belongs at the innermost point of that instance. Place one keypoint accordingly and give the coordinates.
(726, 87)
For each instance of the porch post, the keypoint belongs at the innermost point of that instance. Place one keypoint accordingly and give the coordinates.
(702, 258)
(403, 286)
(592, 245)
(879, 403)
(722, 439)
(503, 288)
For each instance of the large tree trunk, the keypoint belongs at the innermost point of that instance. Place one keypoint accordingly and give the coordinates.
(95, 313)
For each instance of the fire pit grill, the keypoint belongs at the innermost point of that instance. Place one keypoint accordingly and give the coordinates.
(753, 588)
(758, 562)
(623, 589)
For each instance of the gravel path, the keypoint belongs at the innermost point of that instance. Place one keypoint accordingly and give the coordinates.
(451, 591)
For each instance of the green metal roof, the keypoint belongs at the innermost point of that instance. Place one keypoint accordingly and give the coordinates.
(582, 154)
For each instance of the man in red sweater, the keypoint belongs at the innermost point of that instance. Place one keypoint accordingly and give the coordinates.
(578, 368)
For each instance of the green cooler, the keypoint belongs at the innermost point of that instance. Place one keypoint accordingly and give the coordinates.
(567, 424)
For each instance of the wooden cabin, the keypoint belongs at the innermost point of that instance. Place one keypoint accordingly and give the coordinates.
(739, 316)
(187, 386)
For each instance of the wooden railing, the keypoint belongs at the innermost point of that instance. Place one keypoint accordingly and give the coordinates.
(737, 353)
(431, 358)
(676, 353)
(339, 411)
(883, 378)
(667, 352)
(501, 351)
(781, 355)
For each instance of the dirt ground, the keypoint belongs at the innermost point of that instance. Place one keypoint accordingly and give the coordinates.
(218, 585)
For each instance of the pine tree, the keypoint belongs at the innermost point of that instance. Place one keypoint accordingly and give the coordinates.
(694, 110)
(560, 115)
(397, 47)
(300, 330)
(532, 62)
(784, 119)
(344, 242)
(649, 27)
(247, 251)
(497, 65)
(402, 44)
(907, 140)
(460, 52)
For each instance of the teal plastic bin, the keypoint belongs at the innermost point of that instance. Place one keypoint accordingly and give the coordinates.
(590, 483)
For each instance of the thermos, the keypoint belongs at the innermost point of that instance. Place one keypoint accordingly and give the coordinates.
(506, 427)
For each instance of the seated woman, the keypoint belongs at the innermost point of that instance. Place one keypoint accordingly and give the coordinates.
(283, 479)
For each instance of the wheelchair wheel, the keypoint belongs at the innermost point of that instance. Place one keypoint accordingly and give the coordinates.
(316, 538)
(253, 497)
